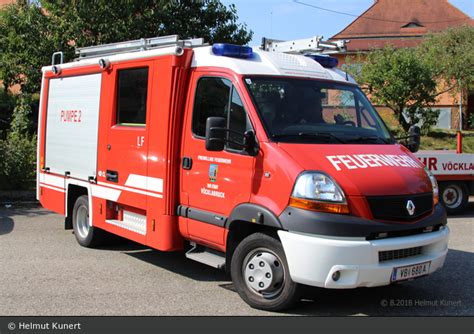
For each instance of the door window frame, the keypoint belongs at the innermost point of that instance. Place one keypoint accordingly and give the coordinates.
(114, 112)
(233, 86)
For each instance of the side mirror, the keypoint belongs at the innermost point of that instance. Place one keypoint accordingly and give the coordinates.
(250, 143)
(414, 136)
(215, 133)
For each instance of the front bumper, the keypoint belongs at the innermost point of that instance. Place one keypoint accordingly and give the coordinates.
(312, 259)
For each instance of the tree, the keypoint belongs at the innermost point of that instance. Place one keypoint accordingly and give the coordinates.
(18, 151)
(103, 21)
(31, 31)
(27, 41)
(451, 55)
(401, 80)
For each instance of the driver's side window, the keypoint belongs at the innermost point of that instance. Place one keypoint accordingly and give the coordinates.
(217, 97)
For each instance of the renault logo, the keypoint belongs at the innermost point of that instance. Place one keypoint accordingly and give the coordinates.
(410, 207)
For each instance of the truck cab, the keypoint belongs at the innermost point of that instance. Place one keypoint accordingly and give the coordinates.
(271, 165)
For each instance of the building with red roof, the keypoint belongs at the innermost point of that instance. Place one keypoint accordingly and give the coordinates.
(401, 24)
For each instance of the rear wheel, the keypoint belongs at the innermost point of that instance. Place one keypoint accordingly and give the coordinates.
(86, 235)
(454, 196)
(260, 274)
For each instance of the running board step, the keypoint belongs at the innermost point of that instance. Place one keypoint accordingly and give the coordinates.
(211, 258)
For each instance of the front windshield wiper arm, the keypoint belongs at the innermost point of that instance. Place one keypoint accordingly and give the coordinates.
(316, 135)
(359, 139)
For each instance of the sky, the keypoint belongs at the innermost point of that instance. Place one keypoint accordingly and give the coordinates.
(286, 19)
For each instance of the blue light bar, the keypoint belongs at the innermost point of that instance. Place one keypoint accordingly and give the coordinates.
(325, 61)
(232, 50)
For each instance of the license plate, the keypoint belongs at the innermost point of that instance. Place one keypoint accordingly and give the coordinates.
(408, 272)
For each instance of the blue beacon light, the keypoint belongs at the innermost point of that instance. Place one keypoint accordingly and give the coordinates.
(325, 61)
(232, 50)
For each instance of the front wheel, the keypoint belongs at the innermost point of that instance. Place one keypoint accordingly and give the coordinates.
(260, 274)
(454, 196)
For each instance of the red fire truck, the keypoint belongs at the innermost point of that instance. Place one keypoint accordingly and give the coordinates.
(269, 164)
(454, 172)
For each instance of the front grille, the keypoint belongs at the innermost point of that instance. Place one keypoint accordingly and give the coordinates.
(395, 207)
(399, 254)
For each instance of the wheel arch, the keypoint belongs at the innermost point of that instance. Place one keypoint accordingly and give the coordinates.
(73, 193)
(247, 219)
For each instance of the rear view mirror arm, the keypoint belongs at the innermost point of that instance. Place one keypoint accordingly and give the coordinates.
(245, 135)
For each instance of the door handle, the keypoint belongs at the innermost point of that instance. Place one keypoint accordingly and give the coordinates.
(187, 163)
(111, 175)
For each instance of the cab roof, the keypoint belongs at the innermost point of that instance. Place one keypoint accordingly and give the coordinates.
(267, 63)
(261, 63)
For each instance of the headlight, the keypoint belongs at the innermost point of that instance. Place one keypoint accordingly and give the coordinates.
(434, 186)
(318, 192)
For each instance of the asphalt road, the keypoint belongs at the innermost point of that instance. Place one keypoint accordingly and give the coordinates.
(43, 271)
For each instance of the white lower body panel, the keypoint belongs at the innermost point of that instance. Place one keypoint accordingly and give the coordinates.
(313, 259)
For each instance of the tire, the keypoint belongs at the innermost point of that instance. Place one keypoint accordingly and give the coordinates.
(86, 235)
(279, 291)
(454, 196)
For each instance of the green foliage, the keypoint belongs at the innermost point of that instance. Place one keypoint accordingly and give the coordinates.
(18, 151)
(470, 121)
(104, 21)
(27, 40)
(446, 140)
(7, 104)
(451, 55)
(401, 80)
(29, 36)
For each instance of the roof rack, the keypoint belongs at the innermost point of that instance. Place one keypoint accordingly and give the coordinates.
(136, 45)
(312, 45)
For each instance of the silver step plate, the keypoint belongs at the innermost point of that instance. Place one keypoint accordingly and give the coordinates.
(206, 257)
(131, 221)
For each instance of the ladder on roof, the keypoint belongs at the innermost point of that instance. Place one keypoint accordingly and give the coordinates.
(136, 45)
(312, 45)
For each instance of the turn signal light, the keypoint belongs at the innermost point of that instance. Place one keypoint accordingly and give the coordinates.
(319, 206)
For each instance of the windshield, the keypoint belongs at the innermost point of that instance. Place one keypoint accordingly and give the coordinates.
(311, 111)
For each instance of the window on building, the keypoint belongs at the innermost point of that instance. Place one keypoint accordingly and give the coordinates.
(412, 25)
(132, 86)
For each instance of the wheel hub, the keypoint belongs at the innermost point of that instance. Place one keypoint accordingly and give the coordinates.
(452, 196)
(82, 218)
(263, 272)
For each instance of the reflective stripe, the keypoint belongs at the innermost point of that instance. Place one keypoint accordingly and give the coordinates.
(52, 188)
(52, 180)
(103, 190)
(105, 193)
(145, 182)
(130, 189)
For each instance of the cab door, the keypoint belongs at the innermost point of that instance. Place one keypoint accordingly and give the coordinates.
(213, 183)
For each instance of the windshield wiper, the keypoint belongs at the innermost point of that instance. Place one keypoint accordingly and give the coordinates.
(360, 139)
(310, 135)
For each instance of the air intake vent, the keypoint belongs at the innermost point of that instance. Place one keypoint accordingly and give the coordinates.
(399, 254)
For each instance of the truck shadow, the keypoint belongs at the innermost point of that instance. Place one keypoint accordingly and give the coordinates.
(7, 222)
(467, 213)
(177, 263)
(427, 296)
